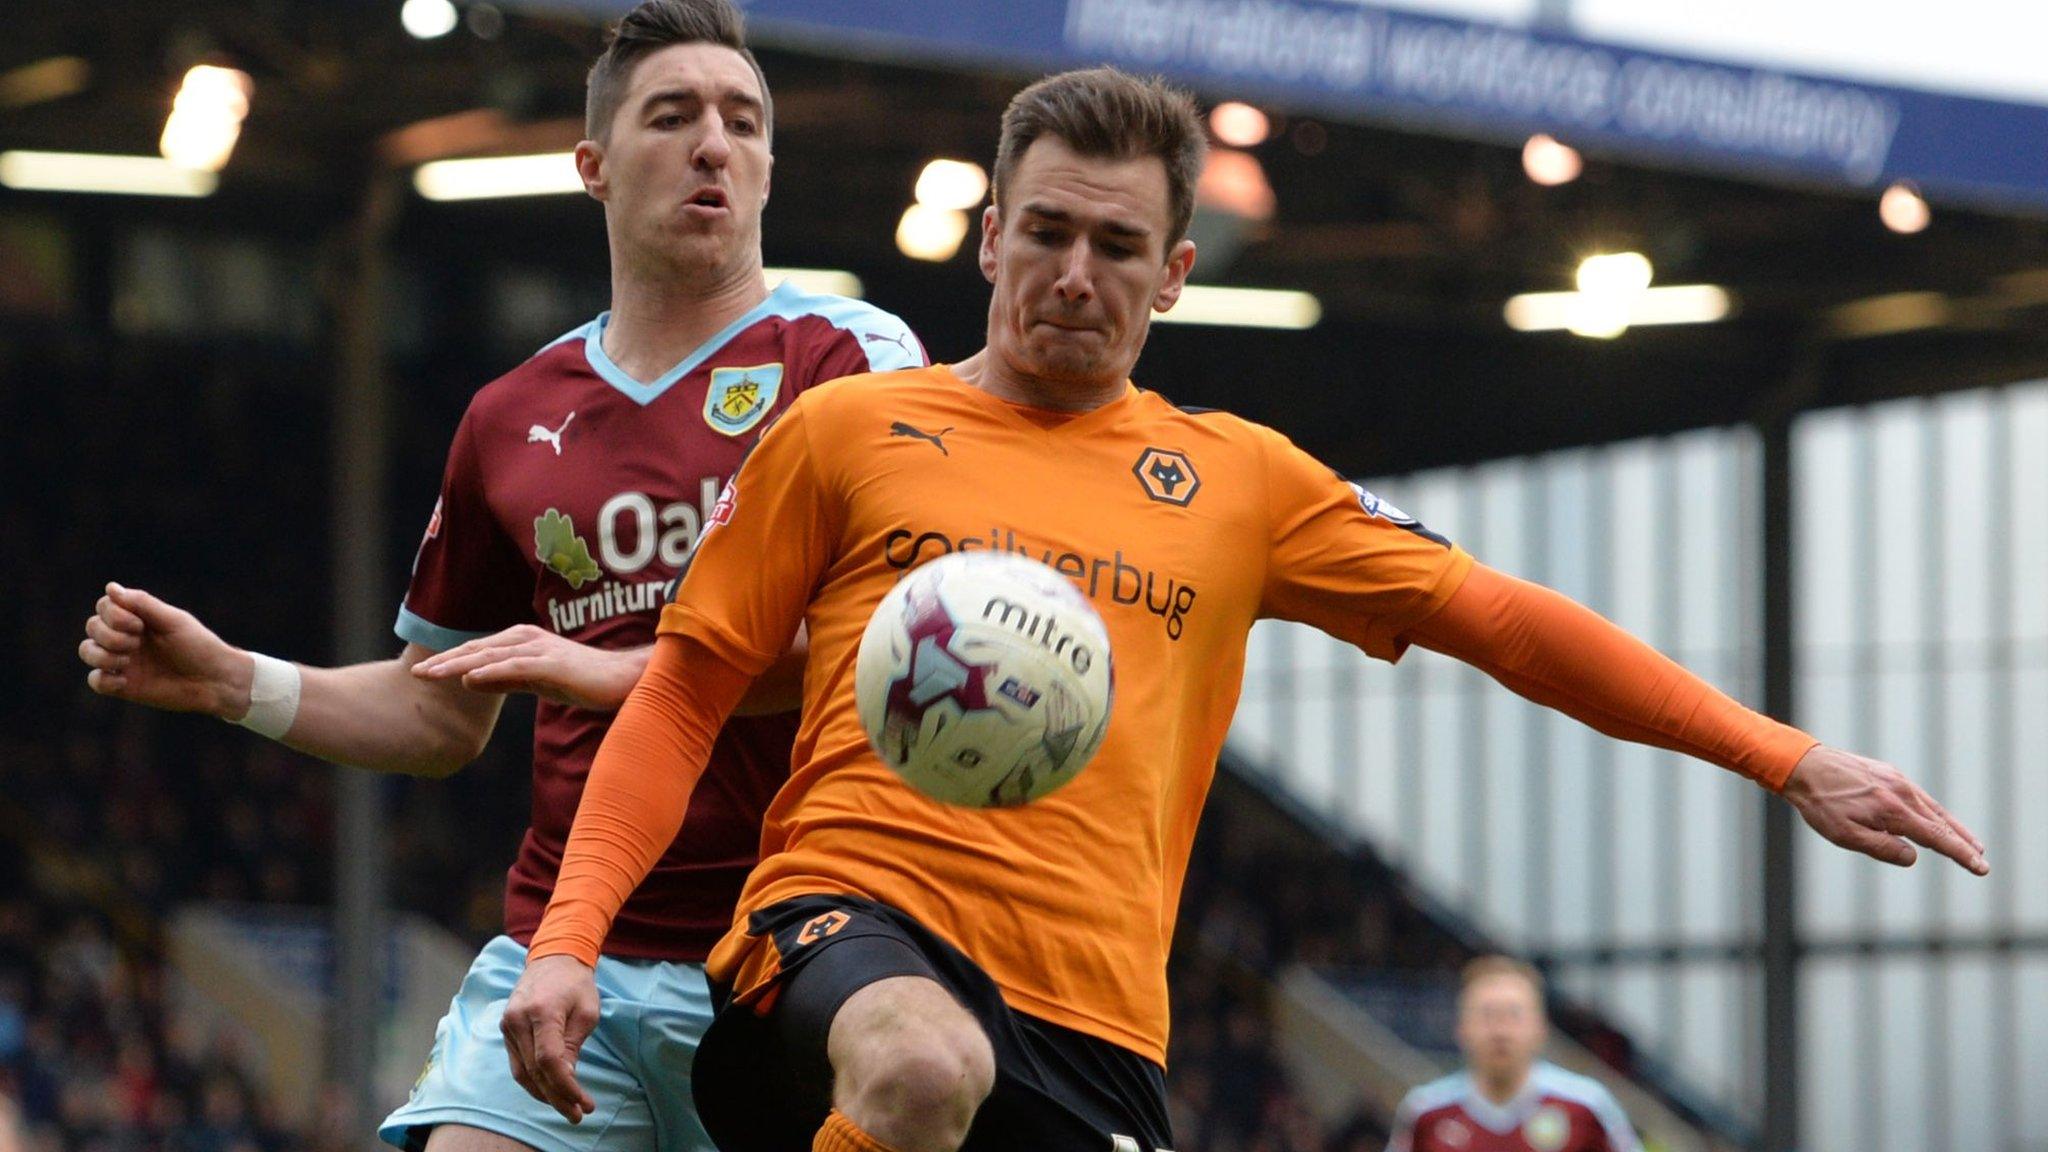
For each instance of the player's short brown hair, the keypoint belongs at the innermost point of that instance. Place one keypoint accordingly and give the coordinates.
(1487, 967)
(654, 25)
(1108, 113)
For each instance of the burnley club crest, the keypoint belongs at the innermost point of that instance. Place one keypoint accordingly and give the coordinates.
(739, 397)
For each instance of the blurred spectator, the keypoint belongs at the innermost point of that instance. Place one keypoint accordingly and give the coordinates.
(1506, 1099)
(13, 1133)
(1258, 897)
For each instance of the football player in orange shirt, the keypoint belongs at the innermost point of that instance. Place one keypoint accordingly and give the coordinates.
(903, 975)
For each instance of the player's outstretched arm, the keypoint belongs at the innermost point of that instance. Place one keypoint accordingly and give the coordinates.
(529, 658)
(375, 715)
(1564, 655)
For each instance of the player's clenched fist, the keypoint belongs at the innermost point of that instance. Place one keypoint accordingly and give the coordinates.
(548, 1017)
(142, 649)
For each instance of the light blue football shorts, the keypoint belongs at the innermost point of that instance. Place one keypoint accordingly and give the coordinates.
(636, 1065)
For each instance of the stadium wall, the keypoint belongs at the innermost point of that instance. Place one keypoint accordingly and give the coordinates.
(1633, 874)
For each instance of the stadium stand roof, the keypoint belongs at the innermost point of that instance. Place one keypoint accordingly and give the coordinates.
(1412, 238)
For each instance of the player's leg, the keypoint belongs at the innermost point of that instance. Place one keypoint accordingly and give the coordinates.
(468, 1082)
(909, 1064)
(869, 1033)
(781, 1055)
(462, 1138)
(674, 1007)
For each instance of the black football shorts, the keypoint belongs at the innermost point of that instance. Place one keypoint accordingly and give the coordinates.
(763, 1083)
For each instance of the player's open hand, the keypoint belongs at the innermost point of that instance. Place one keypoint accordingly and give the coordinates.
(1869, 806)
(142, 649)
(527, 658)
(551, 1013)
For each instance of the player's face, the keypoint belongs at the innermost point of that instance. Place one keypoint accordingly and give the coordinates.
(684, 174)
(1079, 260)
(1500, 1026)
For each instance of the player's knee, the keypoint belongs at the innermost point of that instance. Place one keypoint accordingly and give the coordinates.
(925, 1091)
(919, 1087)
(957, 1062)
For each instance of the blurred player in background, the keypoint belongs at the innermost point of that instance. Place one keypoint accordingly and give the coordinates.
(909, 976)
(1507, 1100)
(575, 489)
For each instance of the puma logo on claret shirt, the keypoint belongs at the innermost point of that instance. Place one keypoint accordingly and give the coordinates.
(553, 439)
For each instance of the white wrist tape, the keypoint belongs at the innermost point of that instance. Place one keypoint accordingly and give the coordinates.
(273, 697)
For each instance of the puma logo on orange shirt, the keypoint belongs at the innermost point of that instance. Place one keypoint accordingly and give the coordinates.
(936, 439)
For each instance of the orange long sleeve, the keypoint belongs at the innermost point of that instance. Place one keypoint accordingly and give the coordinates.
(1564, 655)
(638, 792)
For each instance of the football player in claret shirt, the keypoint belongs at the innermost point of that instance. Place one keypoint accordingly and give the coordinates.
(577, 485)
(1507, 1100)
(904, 975)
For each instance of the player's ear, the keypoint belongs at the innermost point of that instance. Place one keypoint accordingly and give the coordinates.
(590, 166)
(1179, 262)
(991, 236)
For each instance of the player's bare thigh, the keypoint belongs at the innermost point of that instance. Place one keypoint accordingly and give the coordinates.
(909, 1064)
(462, 1138)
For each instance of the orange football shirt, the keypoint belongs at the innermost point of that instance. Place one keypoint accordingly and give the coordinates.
(1181, 527)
